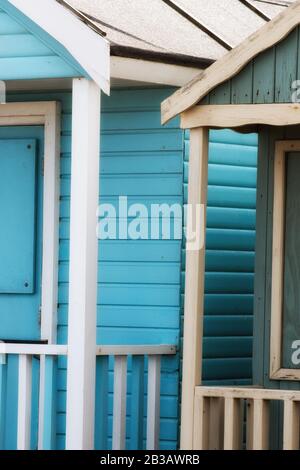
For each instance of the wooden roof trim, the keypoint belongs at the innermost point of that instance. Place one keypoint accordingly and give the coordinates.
(232, 63)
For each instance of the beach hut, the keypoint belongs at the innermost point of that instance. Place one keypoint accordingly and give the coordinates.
(260, 81)
(57, 388)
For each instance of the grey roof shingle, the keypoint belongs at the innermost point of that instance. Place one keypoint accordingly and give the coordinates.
(153, 29)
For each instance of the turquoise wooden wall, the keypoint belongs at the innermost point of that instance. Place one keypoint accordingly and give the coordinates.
(26, 52)
(141, 282)
(266, 79)
(231, 223)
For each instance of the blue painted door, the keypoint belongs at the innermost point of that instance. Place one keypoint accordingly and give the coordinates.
(21, 201)
(20, 236)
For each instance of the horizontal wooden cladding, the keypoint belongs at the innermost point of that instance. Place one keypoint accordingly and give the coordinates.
(239, 418)
(231, 220)
(24, 56)
(239, 115)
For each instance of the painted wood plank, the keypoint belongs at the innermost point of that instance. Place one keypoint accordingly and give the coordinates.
(232, 424)
(137, 403)
(215, 429)
(83, 266)
(27, 68)
(23, 45)
(194, 300)
(136, 350)
(228, 304)
(291, 299)
(120, 395)
(264, 77)
(9, 26)
(135, 185)
(260, 261)
(18, 163)
(227, 325)
(153, 403)
(227, 346)
(221, 95)
(291, 425)
(242, 86)
(241, 115)
(51, 195)
(260, 425)
(24, 401)
(236, 368)
(227, 153)
(229, 261)
(286, 67)
(48, 404)
(201, 423)
(3, 405)
(262, 304)
(222, 239)
(101, 416)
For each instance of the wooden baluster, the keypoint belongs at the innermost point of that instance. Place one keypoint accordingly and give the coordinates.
(232, 424)
(24, 402)
(153, 406)
(249, 425)
(291, 425)
(216, 424)
(201, 423)
(120, 396)
(260, 427)
(47, 403)
(137, 403)
(3, 374)
(101, 426)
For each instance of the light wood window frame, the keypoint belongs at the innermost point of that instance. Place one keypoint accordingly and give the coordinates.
(277, 372)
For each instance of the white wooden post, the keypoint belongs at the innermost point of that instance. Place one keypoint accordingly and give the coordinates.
(194, 288)
(83, 266)
(24, 401)
(119, 408)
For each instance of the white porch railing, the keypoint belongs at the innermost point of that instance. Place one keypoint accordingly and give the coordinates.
(26, 352)
(45, 403)
(222, 412)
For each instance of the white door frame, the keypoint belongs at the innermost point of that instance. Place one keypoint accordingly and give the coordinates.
(46, 114)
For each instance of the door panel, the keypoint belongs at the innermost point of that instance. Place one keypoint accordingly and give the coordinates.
(21, 204)
(17, 211)
(21, 198)
(291, 293)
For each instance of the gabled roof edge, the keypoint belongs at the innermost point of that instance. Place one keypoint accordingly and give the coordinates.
(90, 50)
(232, 63)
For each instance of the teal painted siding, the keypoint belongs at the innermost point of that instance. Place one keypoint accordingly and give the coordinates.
(231, 218)
(141, 282)
(268, 78)
(27, 53)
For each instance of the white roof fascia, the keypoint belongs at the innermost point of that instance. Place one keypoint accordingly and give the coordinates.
(87, 47)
